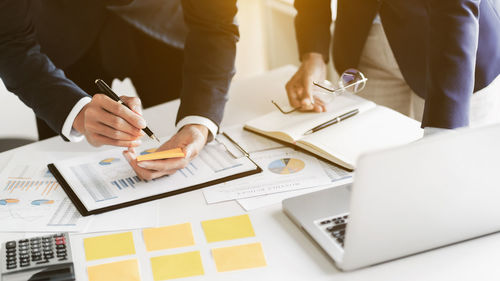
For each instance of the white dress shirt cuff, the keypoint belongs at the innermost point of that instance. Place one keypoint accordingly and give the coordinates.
(199, 120)
(67, 129)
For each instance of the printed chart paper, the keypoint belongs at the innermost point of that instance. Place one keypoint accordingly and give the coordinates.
(32, 200)
(337, 175)
(284, 170)
(105, 178)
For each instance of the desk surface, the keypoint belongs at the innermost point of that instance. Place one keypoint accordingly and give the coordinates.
(290, 254)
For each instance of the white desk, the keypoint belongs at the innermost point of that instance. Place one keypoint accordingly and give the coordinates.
(290, 254)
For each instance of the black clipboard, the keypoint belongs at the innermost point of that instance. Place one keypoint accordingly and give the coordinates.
(85, 212)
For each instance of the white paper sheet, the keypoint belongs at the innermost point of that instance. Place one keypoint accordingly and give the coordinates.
(284, 170)
(138, 216)
(253, 203)
(32, 200)
(249, 141)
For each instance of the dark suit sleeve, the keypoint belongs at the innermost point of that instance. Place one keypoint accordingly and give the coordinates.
(30, 74)
(312, 26)
(453, 42)
(209, 54)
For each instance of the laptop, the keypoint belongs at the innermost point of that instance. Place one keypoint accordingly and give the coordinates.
(433, 192)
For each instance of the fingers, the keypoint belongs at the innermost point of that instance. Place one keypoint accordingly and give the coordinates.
(189, 138)
(116, 123)
(299, 91)
(294, 91)
(306, 100)
(121, 111)
(300, 87)
(98, 140)
(107, 122)
(107, 129)
(133, 103)
(319, 105)
(148, 170)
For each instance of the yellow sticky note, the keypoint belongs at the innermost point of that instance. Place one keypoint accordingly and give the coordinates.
(107, 246)
(239, 257)
(116, 271)
(165, 154)
(168, 237)
(228, 228)
(177, 266)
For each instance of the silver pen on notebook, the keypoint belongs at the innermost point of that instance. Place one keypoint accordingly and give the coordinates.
(333, 121)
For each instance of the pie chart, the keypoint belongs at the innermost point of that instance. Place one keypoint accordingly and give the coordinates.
(108, 161)
(8, 201)
(286, 166)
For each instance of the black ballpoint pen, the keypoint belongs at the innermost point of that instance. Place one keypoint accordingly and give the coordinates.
(333, 121)
(108, 92)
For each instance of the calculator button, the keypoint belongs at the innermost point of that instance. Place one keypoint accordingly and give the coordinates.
(11, 266)
(11, 254)
(60, 241)
(10, 244)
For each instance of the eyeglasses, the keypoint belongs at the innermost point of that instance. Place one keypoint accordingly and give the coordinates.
(351, 80)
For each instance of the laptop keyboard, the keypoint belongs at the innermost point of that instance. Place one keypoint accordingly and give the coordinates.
(335, 227)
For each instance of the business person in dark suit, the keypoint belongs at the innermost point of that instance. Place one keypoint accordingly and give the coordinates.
(169, 49)
(410, 50)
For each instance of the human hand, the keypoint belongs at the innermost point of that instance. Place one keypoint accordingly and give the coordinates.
(299, 88)
(191, 139)
(105, 121)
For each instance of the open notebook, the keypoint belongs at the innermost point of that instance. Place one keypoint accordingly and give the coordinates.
(374, 127)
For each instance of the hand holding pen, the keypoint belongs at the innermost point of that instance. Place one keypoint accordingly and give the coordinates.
(103, 121)
(108, 92)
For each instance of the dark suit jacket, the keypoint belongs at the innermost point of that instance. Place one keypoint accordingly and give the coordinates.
(446, 50)
(39, 37)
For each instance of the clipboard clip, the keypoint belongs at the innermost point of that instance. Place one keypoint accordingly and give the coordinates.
(243, 152)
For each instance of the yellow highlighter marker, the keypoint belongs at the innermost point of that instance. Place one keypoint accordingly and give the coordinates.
(166, 154)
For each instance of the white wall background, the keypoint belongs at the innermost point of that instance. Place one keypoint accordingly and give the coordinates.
(267, 41)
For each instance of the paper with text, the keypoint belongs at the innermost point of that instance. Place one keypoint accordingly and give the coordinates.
(32, 200)
(284, 169)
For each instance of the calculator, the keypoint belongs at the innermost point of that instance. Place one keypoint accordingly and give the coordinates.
(41, 258)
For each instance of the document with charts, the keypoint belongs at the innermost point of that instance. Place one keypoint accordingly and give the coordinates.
(32, 200)
(104, 180)
(284, 170)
